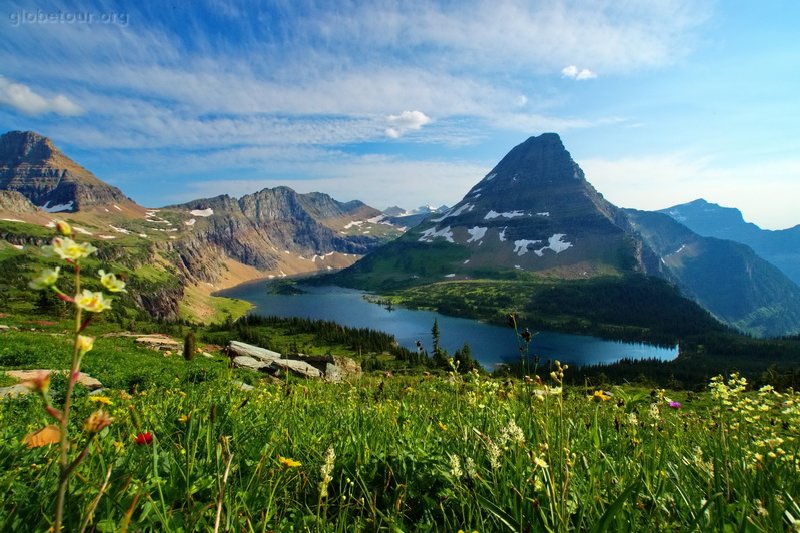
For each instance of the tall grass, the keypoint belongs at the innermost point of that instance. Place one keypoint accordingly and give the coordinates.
(415, 454)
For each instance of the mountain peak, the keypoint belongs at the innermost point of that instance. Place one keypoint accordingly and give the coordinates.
(32, 165)
(27, 145)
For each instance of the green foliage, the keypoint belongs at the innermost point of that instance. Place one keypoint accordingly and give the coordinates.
(421, 454)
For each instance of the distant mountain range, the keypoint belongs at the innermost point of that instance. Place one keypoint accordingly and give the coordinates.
(211, 243)
(779, 247)
(535, 212)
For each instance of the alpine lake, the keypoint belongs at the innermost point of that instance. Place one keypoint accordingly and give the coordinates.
(491, 345)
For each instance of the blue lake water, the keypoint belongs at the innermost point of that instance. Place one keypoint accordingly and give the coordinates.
(490, 344)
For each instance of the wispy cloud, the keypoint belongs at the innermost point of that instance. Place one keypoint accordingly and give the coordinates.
(198, 84)
(23, 98)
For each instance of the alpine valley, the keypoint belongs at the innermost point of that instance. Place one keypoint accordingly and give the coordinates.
(532, 237)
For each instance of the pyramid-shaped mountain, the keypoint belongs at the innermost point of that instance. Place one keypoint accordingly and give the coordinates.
(31, 165)
(536, 213)
(533, 212)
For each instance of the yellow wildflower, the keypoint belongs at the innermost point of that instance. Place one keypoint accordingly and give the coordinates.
(94, 302)
(183, 419)
(289, 463)
(85, 344)
(101, 399)
(599, 396)
(68, 249)
(111, 282)
(46, 278)
(442, 426)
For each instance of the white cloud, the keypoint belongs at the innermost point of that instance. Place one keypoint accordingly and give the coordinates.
(577, 74)
(22, 98)
(404, 122)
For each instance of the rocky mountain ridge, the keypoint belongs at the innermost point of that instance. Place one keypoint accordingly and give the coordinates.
(203, 245)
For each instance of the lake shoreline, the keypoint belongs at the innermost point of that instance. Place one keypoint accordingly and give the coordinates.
(492, 344)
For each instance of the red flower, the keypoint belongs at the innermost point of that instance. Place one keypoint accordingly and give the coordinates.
(144, 439)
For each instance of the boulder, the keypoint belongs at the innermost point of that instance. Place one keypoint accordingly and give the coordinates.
(84, 379)
(13, 391)
(300, 368)
(245, 361)
(157, 342)
(237, 348)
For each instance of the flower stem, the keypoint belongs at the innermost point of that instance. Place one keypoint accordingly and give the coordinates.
(64, 466)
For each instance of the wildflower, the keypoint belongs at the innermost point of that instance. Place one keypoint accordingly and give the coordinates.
(675, 405)
(442, 426)
(512, 432)
(539, 462)
(455, 467)
(144, 438)
(599, 396)
(85, 344)
(63, 228)
(289, 463)
(111, 282)
(46, 278)
(472, 469)
(94, 302)
(70, 250)
(101, 399)
(183, 419)
(325, 471)
(97, 421)
(493, 451)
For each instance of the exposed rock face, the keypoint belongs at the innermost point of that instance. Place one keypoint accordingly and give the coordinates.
(257, 228)
(16, 202)
(31, 165)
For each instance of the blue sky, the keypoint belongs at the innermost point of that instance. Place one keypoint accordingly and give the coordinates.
(412, 102)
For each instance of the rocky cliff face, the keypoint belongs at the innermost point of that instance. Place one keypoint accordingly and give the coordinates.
(15, 202)
(260, 229)
(31, 165)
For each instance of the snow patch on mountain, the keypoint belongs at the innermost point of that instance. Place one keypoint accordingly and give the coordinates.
(502, 234)
(476, 233)
(521, 245)
(508, 214)
(190, 222)
(455, 213)
(57, 208)
(554, 243)
(202, 212)
(432, 233)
